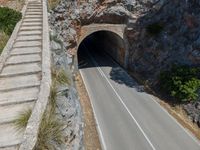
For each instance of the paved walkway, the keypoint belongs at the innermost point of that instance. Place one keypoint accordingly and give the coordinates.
(20, 77)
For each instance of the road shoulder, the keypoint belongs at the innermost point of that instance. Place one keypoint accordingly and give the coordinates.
(91, 138)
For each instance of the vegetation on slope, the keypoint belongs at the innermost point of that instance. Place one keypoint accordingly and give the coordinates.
(8, 20)
(50, 130)
(181, 82)
(53, 3)
(22, 120)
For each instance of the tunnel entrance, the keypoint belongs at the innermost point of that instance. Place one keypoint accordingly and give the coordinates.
(102, 43)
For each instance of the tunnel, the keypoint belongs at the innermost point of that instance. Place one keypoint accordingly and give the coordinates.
(101, 43)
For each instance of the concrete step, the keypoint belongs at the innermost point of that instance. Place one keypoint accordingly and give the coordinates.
(34, 2)
(10, 148)
(33, 13)
(21, 69)
(32, 16)
(25, 50)
(29, 38)
(19, 96)
(34, 10)
(32, 20)
(10, 112)
(27, 44)
(9, 136)
(30, 33)
(31, 28)
(19, 82)
(31, 23)
(19, 59)
(35, 6)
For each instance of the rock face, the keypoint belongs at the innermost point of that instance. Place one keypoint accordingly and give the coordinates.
(193, 111)
(178, 40)
(117, 12)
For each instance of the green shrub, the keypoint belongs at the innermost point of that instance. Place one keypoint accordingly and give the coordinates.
(8, 19)
(181, 82)
(154, 28)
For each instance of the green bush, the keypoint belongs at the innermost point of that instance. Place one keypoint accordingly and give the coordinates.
(8, 19)
(154, 28)
(181, 82)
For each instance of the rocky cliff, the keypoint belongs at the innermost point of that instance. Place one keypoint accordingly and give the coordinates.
(177, 42)
(159, 32)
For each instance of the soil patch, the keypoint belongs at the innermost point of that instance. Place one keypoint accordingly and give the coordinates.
(91, 138)
(13, 4)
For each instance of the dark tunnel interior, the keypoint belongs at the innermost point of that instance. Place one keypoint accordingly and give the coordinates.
(105, 49)
(102, 43)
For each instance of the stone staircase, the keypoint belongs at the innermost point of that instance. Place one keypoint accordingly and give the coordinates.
(21, 75)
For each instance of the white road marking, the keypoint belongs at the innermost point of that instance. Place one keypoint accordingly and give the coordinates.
(95, 116)
(184, 129)
(140, 128)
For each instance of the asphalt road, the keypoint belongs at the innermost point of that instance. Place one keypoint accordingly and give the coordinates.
(126, 116)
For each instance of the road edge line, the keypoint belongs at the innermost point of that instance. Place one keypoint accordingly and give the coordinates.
(140, 128)
(184, 129)
(102, 141)
(187, 131)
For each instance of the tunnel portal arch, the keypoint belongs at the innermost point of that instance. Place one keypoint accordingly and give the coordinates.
(90, 29)
(113, 38)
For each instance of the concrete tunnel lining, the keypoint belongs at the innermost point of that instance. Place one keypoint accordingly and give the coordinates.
(111, 42)
(117, 29)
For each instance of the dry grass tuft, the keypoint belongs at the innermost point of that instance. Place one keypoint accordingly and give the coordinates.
(60, 76)
(22, 120)
(50, 132)
(51, 128)
(63, 78)
(52, 98)
(53, 3)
